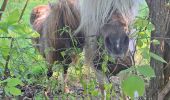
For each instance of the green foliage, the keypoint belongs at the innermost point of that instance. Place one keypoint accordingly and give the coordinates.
(156, 57)
(10, 86)
(133, 86)
(22, 55)
(29, 67)
(146, 71)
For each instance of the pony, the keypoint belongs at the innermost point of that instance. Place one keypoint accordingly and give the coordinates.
(50, 21)
(109, 19)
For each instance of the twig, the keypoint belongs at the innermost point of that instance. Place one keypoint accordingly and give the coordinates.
(3, 8)
(23, 10)
(7, 71)
(165, 90)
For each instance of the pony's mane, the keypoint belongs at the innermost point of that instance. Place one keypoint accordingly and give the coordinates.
(97, 12)
(63, 13)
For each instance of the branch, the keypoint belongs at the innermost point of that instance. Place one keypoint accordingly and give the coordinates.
(7, 71)
(23, 10)
(165, 90)
(3, 8)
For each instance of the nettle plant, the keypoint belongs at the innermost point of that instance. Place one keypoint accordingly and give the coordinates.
(20, 64)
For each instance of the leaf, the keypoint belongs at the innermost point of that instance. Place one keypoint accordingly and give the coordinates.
(13, 90)
(63, 54)
(139, 43)
(156, 57)
(145, 53)
(141, 22)
(13, 17)
(156, 42)
(35, 35)
(133, 86)
(124, 72)
(14, 82)
(146, 70)
(95, 93)
(3, 27)
(37, 70)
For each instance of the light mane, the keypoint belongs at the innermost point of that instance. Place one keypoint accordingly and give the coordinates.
(97, 12)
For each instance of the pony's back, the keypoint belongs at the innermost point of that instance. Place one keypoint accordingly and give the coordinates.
(38, 15)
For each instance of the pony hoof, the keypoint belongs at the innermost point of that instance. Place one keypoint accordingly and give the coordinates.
(49, 74)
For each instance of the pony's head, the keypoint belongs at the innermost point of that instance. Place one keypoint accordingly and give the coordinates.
(115, 34)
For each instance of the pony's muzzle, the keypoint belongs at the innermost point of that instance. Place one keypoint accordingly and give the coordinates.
(117, 46)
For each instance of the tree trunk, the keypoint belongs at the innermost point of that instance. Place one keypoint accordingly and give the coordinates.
(159, 16)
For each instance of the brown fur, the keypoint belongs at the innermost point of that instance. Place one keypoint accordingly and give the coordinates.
(56, 17)
(62, 14)
(37, 18)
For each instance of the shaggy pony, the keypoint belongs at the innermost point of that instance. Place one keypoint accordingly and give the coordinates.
(89, 20)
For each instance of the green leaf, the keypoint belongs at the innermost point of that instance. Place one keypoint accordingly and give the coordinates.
(95, 93)
(13, 90)
(3, 27)
(126, 71)
(156, 57)
(146, 70)
(37, 70)
(139, 43)
(63, 54)
(141, 22)
(145, 53)
(142, 35)
(156, 42)
(13, 17)
(14, 82)
(35, 35)
(133, 86)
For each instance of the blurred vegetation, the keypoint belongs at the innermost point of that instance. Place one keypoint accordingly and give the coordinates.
(27, 66)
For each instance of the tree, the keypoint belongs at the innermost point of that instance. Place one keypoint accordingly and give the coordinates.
(160, 17)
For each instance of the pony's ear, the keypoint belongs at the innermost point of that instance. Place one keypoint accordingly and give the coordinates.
(51, 5)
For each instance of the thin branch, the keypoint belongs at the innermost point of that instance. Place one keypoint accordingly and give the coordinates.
(3, 8)
(23, 10)
(165, 90)
(7, 71)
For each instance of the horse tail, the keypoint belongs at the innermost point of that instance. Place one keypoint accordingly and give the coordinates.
(62, 14)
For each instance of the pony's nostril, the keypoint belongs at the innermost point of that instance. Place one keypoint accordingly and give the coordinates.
(126, 40)
(107, 41)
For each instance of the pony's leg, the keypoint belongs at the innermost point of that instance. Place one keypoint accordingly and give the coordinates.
(90, 60)
(51, 57)
(65, 78)
(67, 61)
(101, 79)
